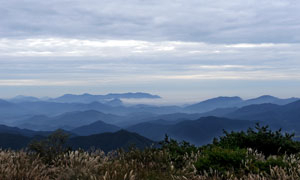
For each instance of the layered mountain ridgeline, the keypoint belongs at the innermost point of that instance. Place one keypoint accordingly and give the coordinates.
(110, 141)
(277, 116)
(104, 141)
(230, 102)
(198, 132)
(219, 102)
(66, 121)
(21, 108)
(285, 116)
(87, 98)
(180, 126)
(95, 128)
(22, 98)
(153, 122)
(24, 132)
(21, 105)
(71, 120)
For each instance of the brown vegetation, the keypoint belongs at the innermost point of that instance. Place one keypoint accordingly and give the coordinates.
(135, 164)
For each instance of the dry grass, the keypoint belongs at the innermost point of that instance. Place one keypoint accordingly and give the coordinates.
(133, 165)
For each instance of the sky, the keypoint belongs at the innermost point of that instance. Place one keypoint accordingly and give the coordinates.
(183, 50)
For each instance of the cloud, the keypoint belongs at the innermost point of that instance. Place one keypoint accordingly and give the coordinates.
(237, 21)
(153, 44)
(60, 47)
(77, 62)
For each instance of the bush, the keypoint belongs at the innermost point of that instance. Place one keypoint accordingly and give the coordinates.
(222, 160)
(264, 166)
(237, 162)
(177, 150)
(262, 139)
(51, 147)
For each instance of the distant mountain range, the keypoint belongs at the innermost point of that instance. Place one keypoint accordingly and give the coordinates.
(30, 106)
(86, 98)
(95, 128)
(24, 132)
(230, 102)
(199, 132)
(9, 109)
(219, 102)
(66, 121)
(197, 128)
(284, 116)
(21, 98)
(197, 123)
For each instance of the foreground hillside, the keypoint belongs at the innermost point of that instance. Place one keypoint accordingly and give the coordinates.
(253, 154)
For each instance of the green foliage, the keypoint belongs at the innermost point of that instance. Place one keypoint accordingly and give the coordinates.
(262, 139)
(158, 170)
(238, 162)
(51, 147)
(220, 159)
(177, 150)
(264, 166)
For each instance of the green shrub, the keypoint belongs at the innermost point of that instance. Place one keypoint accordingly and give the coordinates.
(237, 162)
(50, 147)
(264, 166)
(177, 150)
(262, 139)
(221, 159)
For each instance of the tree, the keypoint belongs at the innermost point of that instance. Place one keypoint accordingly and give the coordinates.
(262, 139)
(52, 146)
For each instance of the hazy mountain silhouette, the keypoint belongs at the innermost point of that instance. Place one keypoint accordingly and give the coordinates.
(269, 99)
(286, 116)
(8, 109)
(17, 110)
(234, 102)
(46, 116)
(24, 132)
(219, 112)
(145, 117)
(199, 131)
(4, 103)
(137, 95)
(114, 102)
(95, 128)
(22, 98)
(88, 98)
(110, 141)
(211, 104)
(66, 121)
(113, 107)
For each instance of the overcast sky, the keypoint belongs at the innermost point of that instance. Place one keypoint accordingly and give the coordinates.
(183, 50)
